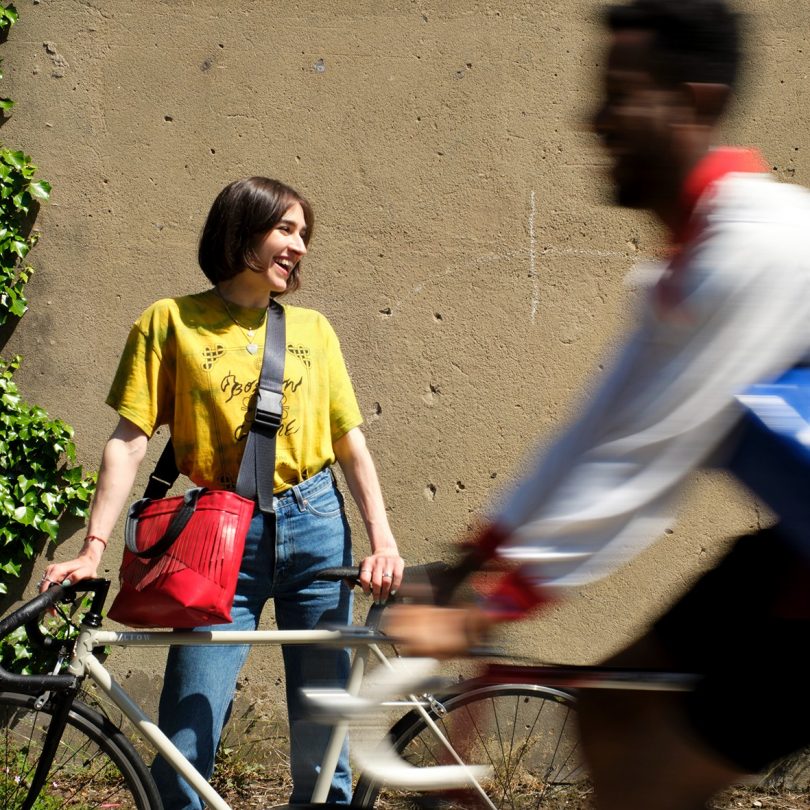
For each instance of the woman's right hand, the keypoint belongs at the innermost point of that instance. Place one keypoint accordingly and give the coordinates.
(85, 566)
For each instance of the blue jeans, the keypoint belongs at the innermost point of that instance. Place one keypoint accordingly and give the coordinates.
(309, 532)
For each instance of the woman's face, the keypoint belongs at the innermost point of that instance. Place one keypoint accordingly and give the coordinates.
(282, 247)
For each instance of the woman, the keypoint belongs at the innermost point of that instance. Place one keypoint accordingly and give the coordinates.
(192, 363)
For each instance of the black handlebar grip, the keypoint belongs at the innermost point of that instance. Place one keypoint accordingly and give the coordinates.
(31, 611)
(338, 574)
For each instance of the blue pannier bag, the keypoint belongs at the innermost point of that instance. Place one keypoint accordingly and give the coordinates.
(771, 455)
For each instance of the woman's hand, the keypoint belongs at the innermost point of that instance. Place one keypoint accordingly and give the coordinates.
(381, 574)
(85, 566)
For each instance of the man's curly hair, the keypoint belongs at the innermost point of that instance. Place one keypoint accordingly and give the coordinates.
(693, 40)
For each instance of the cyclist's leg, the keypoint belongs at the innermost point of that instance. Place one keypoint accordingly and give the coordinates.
(687, 747)
(312, 534)
(199, 682)
(640, 748)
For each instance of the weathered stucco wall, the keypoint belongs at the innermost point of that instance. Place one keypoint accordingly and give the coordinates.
(463, 249)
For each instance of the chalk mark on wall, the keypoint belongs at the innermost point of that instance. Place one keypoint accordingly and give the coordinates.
(533, 256)
(507, 255)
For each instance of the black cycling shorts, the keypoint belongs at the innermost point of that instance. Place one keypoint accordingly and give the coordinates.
(746, 626)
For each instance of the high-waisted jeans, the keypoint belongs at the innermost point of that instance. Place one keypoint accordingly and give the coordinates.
(309, 532)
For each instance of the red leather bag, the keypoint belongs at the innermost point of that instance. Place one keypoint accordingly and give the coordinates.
(182, 559)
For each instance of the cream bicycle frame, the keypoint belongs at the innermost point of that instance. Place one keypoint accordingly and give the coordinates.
(84, 663)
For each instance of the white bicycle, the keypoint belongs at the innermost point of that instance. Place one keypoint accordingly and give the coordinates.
(507, 744)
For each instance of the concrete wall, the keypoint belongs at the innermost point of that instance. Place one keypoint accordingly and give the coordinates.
(463, 248)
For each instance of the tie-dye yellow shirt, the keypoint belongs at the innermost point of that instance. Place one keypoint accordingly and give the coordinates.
(186, 365)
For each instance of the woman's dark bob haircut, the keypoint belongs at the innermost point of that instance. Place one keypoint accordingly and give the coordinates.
(243, 213)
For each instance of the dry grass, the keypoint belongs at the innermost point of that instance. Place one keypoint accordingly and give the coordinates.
(265, 790)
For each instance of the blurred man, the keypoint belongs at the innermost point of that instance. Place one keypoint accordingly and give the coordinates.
(730, 308)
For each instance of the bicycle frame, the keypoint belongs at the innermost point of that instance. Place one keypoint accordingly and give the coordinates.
(366, 641)
(85, 663)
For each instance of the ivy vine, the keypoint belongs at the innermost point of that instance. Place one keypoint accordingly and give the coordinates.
(8, 16)
(41, 482)
(18, 192)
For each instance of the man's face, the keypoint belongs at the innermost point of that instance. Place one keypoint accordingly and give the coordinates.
(636, 121)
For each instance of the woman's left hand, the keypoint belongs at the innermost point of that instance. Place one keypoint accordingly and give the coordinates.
(381, 574)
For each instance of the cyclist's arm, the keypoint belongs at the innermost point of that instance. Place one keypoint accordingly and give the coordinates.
(607, 489)
(120, 461)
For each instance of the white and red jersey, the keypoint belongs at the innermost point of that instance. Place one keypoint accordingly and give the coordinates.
(730, 309)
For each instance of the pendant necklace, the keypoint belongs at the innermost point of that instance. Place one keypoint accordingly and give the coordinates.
(251, 347)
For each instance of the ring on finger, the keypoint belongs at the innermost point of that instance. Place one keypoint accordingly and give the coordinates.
(387, 575)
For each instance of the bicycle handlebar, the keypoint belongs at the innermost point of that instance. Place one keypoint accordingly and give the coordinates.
(338, 574)
(28, 615)
(31, 611)
(426, 573)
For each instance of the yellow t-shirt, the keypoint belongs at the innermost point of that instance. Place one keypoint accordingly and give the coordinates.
(186, 365)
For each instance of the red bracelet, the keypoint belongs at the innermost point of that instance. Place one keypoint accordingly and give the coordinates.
(95, 537)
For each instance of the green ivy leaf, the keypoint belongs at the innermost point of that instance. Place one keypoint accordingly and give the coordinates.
(51, 528)
(21, 651)
(10, 567)
(41, 189)
(51, 502)
(24, 514)
(20, 247)
(8, 16)
(17, 159)
(19, 307)
(73, 475)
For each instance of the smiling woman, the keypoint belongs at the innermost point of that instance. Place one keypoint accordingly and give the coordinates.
(252, 222)
(192, 363)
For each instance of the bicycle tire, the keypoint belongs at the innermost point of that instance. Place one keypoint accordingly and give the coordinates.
(95, 766)
(527, 733)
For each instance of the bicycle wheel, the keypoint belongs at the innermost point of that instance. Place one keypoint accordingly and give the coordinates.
(527, 734)
(95, 766)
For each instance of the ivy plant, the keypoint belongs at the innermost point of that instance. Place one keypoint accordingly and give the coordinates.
(41, 484)
(8, 16)
(41, 481)
(18, 193)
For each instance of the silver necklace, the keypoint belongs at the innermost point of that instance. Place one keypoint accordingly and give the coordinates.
(251, 347)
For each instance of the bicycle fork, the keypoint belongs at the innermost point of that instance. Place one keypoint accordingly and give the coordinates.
(61, 703)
